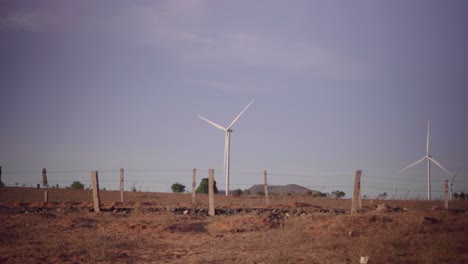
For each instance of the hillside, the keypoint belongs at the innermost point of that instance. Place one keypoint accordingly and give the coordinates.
(281, 189)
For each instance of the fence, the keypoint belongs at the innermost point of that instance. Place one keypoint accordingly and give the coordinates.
(160, 180)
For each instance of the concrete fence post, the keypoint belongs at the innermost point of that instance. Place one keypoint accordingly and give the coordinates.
(356, 200)
(121, 185)
(194, 184)
(211, 210)
(95, 183)
(265, 187)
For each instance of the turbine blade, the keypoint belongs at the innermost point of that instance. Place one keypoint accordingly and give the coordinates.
(427, 141)
(440, 166)
(237, 117)
(412, 164)
(212, 123)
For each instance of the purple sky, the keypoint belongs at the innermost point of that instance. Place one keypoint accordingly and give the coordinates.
(339, 86)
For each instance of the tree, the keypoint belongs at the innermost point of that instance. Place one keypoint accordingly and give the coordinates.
(338, 194)
(76, 185)
(178, 187)
(203, 187)
(2, 184)
(236, 192)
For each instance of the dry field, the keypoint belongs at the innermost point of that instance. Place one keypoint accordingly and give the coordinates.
(167, 228)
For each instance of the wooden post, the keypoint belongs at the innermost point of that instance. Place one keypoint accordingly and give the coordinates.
(446, 195)
(211, 210)
(46, 197)
(95, 183)
(121, 185)
(355, 203)
(265, 188)
(194, 184)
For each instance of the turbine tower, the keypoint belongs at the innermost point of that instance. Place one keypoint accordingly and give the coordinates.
(429, 159)
(227, 142)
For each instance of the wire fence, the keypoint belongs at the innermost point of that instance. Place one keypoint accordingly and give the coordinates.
(161, 180)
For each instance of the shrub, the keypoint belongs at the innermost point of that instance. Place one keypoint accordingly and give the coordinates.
(76, 185)
(246, 192)
(261, 193)
(382, 196)
(320, 194)
(203, 187)
(178, 187)
(237, 192)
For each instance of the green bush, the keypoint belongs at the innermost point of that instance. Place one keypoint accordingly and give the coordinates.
(76, 185)
(261, 193)
(203, 187)
(178, 187)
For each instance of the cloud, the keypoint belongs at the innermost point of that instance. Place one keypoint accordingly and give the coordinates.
(274, 53)
(28, 21)
(39, 16)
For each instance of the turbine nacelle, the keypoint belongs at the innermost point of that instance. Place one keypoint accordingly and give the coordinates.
(227, 142)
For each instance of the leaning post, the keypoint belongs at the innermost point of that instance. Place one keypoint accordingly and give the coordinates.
(356, 203)
(95, 183)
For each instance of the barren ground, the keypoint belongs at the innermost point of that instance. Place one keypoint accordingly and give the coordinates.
(167, 228)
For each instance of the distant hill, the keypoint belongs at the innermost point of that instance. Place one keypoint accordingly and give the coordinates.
(281, 189)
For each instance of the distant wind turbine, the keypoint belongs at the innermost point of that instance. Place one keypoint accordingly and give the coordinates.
(451, 184)
(429, 159)
(227, 142)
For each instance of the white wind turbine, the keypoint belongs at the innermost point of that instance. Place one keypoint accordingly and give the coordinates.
(429, 159)
(227, 142)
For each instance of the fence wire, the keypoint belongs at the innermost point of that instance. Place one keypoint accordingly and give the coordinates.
(160, 180)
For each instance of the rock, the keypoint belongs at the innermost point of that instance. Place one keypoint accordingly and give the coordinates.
(435, 208)
(383, 208)
(364, 259)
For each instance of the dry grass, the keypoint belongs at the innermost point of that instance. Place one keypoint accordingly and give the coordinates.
(59, 234)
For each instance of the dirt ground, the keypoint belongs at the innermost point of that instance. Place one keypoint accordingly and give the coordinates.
(166, 228)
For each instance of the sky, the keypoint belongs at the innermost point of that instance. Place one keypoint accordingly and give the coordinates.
(339, 86)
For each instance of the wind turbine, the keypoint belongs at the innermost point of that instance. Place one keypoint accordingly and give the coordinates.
(429, 159)
(451, 184)
(227, 142)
